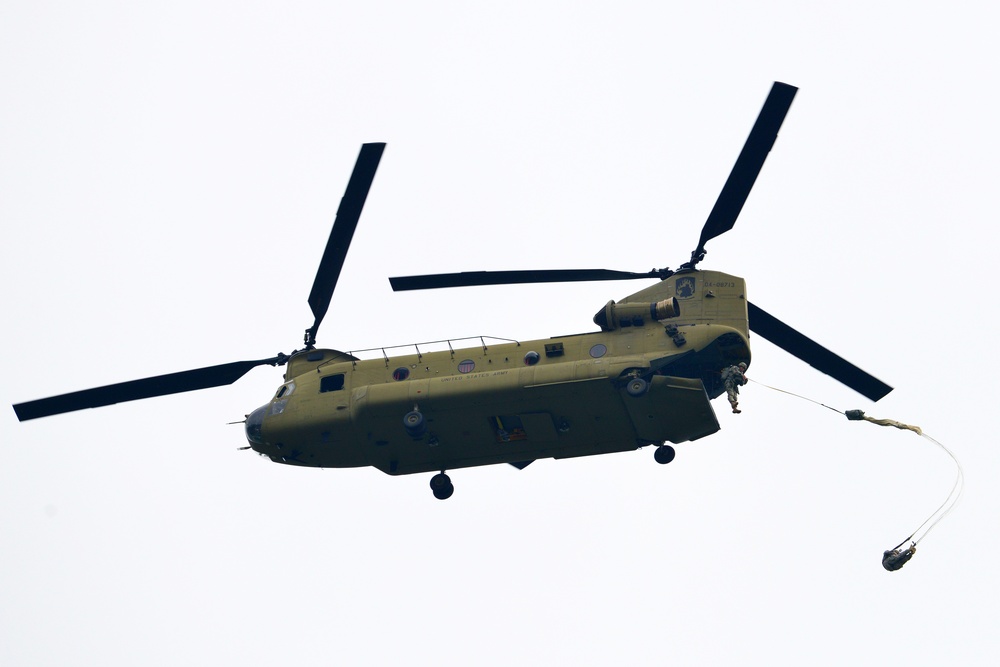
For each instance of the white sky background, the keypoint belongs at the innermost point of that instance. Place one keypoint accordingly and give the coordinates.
(168, 176)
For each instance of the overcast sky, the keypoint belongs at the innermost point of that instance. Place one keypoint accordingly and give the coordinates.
(168, 176)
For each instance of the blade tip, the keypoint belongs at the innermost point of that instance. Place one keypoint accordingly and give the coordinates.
(881, 393)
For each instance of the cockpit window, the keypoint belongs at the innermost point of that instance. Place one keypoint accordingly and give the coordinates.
(332, 383)
(254, 425)
(285, 390)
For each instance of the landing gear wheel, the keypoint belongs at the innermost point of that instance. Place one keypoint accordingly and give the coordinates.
(637, 387)
(414, 423)
(441, 486)
(664, 454)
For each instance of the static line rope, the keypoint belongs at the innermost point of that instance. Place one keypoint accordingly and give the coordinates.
(804, 398)
(895, 558)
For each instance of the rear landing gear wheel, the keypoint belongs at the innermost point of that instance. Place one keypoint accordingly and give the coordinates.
(441, 486)
(636, 387)
(664, 454)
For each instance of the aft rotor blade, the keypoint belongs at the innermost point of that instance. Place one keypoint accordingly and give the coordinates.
(479, 278)
(748, 165)
(814, 354)
(344, 225)
(161, 385)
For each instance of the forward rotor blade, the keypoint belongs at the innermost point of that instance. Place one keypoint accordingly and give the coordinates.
(161, 385)
(748, 165)
(814, 354)
(479, 278)
(344, 225)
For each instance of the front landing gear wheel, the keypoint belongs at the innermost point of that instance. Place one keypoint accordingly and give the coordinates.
(441, 486)
(415, 424)
(664, 454)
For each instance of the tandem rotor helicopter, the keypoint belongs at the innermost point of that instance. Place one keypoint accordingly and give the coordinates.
(646, 377)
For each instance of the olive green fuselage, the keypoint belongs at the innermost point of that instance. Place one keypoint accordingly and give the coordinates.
(515, 402)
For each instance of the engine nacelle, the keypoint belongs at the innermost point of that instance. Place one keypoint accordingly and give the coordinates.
(620, 315)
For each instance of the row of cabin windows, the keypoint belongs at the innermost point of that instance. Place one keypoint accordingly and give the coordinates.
(328, 383)
(336, 382)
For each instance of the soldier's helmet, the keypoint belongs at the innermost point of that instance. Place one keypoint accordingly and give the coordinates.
(743, 366)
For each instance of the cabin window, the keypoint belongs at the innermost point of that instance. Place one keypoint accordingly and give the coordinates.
(332, 383)
(531, 358)
(598, 350)
(466, 366)
(401, 373)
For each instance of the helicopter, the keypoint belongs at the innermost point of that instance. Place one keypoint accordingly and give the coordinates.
(646, 377)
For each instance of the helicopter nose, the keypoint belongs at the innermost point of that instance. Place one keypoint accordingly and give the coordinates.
(254, 426)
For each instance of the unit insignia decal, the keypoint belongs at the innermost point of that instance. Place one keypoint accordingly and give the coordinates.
(685, 288)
